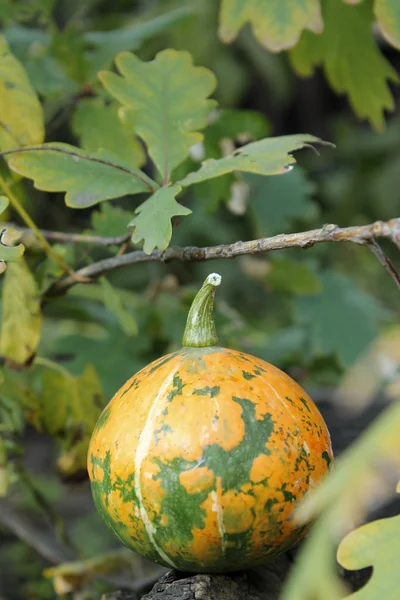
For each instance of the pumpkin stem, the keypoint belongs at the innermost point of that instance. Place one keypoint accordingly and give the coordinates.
(200, 327)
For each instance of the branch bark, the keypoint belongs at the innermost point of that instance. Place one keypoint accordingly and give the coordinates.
(364, 235)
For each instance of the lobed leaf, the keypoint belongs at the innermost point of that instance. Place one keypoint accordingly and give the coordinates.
(21, 115)
(153, 221)
(169, 96)
(86, 178)
(21, 319)
(376, 545)
(277, 24)
(351, 59)
(270, 156)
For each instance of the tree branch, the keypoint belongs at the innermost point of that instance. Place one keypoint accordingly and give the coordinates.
(363, 235)
(385, 262)
(70, 238)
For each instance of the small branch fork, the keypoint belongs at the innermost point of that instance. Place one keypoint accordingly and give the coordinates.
(364, 235)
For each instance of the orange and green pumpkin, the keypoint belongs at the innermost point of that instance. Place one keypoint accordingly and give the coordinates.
(200, 459)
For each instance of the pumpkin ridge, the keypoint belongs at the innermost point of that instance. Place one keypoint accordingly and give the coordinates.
(142, 450)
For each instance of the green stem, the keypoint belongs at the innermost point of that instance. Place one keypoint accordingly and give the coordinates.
(15, 203)
(200, 329)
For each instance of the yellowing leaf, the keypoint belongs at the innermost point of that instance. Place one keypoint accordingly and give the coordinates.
(270, 156)
(277, 24)
(153, 221)
(387, 13)
(351, 59)
(376, 545)
(21, 319)
(87, 178)
(21, 115)
(169, 96)
(100, 127)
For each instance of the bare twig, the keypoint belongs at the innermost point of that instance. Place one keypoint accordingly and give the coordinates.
(72, 238)
(385, 262)
(363, 235)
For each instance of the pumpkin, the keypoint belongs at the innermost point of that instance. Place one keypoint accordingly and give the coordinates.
(200, 459)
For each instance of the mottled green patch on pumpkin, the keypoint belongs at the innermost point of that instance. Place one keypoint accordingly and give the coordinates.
(326, 458)
(101, 487)
(162, 430)
(182, 509)
(134, 383)
(304, 401)
(177, 387)
(287, 494)
(234, 466)
(126, 489)
(270, 503)
(212, 391)
(162, 361)
(105, 415)
(247, 375)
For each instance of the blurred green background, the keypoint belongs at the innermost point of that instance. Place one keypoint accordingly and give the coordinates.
(311, 312)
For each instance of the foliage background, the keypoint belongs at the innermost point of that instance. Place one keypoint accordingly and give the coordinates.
(313, 313)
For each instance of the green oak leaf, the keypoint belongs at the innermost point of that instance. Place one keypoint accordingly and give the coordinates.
(21, 319)
(170, 97)
(86, 178)
(276, 202)
(152, 222)
(362, 75)
(8, 236)
(374, 545)
(340, 320)
(270, 156)
(387, 13)
(277, 24)
(21, 115)
(99, 127)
